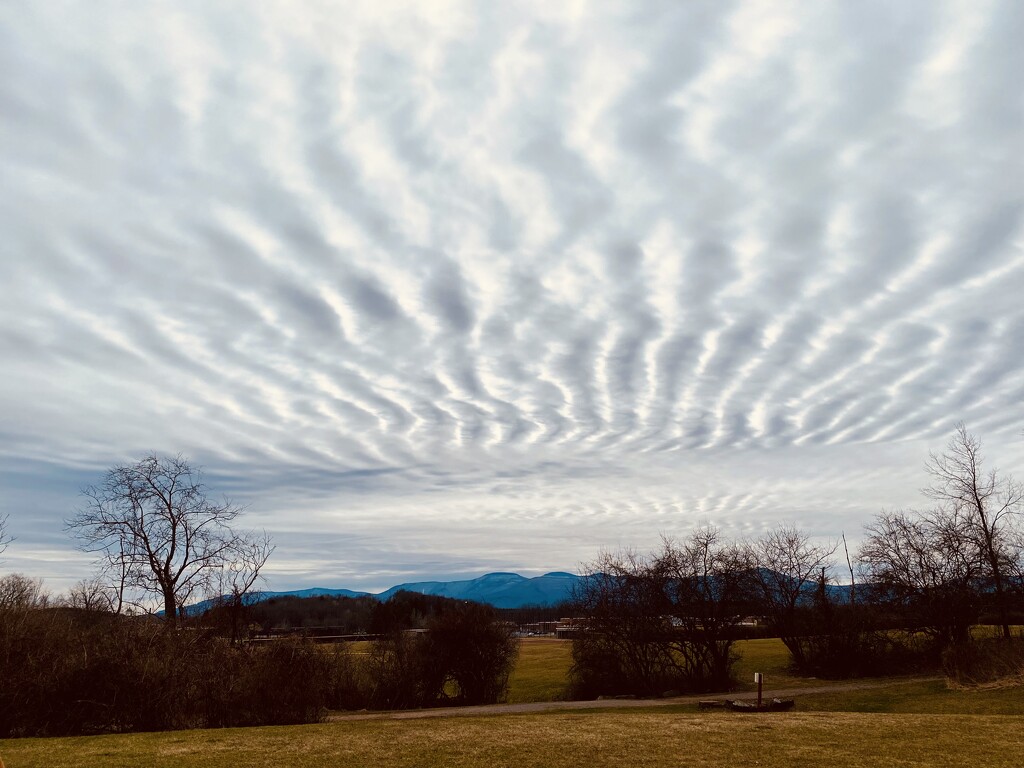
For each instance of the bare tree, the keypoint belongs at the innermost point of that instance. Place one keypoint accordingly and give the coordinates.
(706, 595)
(785, 567)
(925, 565)
(20, 592)
(238, 574)
(990, 504)
(467, 655)
(153, 524)
(5, 538)
(660, 622)
(92, 594)
(622, 647)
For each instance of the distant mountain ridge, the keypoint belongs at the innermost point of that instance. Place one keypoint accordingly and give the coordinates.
(502, 590)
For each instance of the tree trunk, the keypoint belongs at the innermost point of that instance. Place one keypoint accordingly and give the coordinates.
(988, 537)
(1001, 606)
(170, 609)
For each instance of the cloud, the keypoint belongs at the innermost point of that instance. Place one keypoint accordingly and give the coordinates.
(459, 285)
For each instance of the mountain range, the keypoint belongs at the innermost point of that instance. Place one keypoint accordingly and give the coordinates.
(502, 590)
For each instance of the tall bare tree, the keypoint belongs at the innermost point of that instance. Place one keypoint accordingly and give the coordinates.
(153, 524)
(991, 505)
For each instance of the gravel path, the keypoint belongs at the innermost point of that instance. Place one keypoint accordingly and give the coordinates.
(550, 706)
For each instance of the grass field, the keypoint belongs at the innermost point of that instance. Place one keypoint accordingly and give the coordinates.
(645, 739)
(540, 672)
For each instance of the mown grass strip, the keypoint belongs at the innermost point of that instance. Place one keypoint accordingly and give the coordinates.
(541, 672)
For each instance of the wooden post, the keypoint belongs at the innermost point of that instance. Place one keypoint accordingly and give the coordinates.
(759, 679)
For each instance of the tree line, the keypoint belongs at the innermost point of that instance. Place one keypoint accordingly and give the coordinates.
(105, 658)
(69, 670)
(332, 615)
(343, 615)
(921, 580)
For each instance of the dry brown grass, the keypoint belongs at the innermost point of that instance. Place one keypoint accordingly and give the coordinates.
(641, 739)
(1010, 681)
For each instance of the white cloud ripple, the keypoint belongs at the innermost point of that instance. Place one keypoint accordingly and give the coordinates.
(449, 286)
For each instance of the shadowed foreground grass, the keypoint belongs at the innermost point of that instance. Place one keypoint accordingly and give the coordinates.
(645, 739)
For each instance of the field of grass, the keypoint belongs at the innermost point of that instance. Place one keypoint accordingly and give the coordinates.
(540, 672)
(644, 738)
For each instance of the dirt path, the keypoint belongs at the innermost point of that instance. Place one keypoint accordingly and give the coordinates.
(550, 706)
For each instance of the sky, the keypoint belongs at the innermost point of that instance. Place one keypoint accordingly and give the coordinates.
(440, 288)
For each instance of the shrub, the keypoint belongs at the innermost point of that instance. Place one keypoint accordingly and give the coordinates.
(843, 641)
(867, 653)
(606, 664)
(395, 671)
(467, 655)
(464, 656)
(985, 662)
(68, 672)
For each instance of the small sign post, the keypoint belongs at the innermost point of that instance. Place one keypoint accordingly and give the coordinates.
(759, 679)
